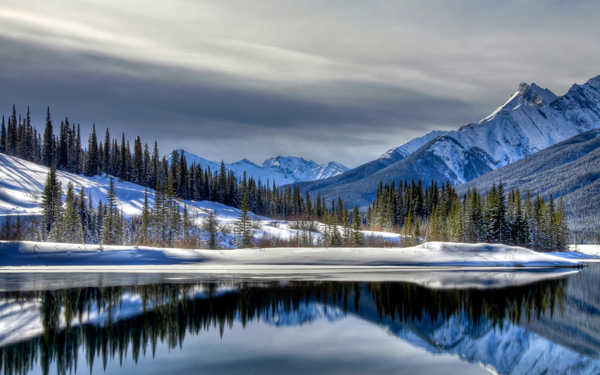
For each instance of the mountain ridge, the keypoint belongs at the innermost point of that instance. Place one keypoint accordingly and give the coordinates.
(280, 170)
(530, 120)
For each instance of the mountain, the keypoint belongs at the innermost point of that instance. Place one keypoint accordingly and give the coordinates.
(532, 119)
(569, 169)
(280, 169)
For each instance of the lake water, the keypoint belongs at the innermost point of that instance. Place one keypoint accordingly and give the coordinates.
(186, 324)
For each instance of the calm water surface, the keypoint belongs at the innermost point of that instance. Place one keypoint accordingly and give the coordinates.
(179, 324)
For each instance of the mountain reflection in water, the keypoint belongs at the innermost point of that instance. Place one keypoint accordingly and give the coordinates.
(52, 330)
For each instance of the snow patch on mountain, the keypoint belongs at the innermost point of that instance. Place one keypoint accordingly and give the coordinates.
(281, 170)
(508, 349)
(532, 119)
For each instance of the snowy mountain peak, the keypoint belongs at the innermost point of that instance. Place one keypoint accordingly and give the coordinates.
(289, 162)
(528, 94)
(536, 95)
(245, 161)
(281, 170)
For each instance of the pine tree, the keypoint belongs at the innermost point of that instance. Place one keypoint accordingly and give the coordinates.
(3, 137)
(48, 142)
(561, 228)
(187, 224)
(357, 237)
(243, 226)
(455, 221)
(138, 162)
(51, 202)
(111, 227)
(91, 167)
(72, 229)
(144, 237)
(211, 227)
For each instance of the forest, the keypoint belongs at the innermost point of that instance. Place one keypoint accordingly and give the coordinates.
(433, 212)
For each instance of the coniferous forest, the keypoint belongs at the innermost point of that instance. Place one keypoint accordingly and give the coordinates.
(431, 212)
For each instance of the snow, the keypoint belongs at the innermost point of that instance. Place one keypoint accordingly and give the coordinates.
(281, 170)
(431, 254)
(412, 145)
(22, 183)
(532, 119)
(587, 249)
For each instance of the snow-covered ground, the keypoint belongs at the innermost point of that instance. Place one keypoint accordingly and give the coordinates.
(588, 249)
(22, 183)
(431, 254)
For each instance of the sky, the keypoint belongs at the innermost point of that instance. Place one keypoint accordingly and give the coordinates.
(340, 80)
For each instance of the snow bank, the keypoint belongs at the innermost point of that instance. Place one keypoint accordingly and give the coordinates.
(588, 249)
(431, 254)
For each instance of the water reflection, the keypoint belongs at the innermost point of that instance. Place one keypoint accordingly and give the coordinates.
(55, 330)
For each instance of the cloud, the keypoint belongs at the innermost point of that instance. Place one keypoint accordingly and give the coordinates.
(336, 80)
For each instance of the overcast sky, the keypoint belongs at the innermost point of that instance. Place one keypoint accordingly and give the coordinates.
(327, 80)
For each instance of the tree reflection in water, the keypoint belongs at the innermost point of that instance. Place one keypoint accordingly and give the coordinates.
(169, 312)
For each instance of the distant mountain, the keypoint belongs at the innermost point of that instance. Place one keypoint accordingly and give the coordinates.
(280, 169)
(569, 169)
(532, 119)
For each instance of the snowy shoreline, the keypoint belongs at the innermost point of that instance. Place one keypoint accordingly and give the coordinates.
(40, 257)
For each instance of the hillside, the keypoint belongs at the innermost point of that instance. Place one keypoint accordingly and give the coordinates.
(570, 169)
(22, 183)
(531, 120)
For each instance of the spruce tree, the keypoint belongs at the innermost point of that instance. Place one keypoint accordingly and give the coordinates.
(144, 231)
(561, 229)
(211, 227)
(111, 225)
(3, 137)
(91, 167)
(51, 202)
(243, 226)
(357, 237)
(72, 231)
(48, 142)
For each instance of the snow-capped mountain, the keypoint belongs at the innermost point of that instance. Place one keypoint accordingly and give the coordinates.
(281, 170)
(568, 170)
(532, 119)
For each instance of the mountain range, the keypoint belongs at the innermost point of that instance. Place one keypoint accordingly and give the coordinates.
(280, 170)
(532, 119)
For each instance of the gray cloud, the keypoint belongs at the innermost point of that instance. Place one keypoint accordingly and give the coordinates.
(342, 80)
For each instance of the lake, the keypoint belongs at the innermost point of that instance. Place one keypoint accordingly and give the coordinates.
(118, 323)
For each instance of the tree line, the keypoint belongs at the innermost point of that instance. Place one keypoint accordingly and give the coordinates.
(142, 164)
(439, 214)
(434, 212)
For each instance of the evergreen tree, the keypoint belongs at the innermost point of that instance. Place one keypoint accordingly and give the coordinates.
(48, 142)
(51, 202)
(356, 233)
(144, 235)
(3, 137)
(91, 167)
(561, 229)
(211, 227)
(138, 162)
(72, 231)
(243, 226)
(111, 227)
